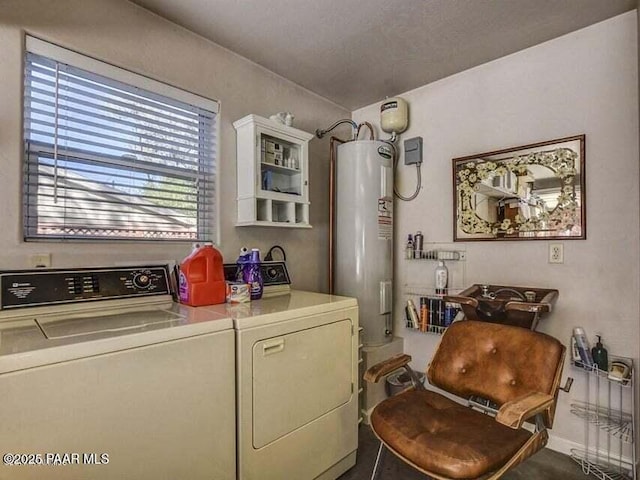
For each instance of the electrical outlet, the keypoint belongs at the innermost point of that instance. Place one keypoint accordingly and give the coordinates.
(556, 253)
(40, 260)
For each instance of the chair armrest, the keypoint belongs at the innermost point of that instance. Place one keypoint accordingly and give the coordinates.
(379, 370)
(514, 413)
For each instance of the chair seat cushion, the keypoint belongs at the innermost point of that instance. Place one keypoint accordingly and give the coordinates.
(443, 437)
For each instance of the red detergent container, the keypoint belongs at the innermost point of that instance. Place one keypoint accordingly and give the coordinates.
(201, 281)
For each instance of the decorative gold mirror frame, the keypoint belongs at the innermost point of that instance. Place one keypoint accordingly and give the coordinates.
(501, 195)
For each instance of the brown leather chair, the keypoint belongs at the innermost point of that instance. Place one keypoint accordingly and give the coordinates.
(517, 374)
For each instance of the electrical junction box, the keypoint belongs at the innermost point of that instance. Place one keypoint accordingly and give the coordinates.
(413, 151)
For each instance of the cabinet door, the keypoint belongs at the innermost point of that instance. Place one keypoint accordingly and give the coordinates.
(281, 165)
(299, 377)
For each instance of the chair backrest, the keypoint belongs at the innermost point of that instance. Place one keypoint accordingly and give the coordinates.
(496, 362)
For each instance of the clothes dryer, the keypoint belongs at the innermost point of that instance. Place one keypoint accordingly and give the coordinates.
(297, 386)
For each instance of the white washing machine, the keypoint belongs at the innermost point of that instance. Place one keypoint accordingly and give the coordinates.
(297, 384)
(102, 376)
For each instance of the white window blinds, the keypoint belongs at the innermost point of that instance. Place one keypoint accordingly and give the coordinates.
(108, 160)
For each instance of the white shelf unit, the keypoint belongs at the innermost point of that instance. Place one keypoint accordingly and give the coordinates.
(272, 173)
(609, 416)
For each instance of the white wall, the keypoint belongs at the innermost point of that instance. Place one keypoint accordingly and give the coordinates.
(121, 33)
(584, 82)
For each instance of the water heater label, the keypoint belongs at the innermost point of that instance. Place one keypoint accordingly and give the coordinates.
(385, 218)
(384, 152)
(388, 106)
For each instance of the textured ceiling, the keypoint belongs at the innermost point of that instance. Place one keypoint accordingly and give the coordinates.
(357, 52)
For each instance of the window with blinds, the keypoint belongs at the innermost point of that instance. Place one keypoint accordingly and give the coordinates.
(105, 159)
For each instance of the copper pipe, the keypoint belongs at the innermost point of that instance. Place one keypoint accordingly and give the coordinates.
(332, 200)
(371, 134)
(369, 126)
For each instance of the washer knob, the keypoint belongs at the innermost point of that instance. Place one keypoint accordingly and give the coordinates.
(142, 280)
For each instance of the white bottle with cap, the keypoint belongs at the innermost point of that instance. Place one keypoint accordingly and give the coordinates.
(442, 278)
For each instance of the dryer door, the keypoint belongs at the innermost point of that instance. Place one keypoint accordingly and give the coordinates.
(299, 377)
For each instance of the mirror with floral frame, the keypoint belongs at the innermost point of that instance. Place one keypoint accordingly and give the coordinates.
(533, 192)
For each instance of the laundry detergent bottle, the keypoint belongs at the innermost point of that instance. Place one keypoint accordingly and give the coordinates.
(201, 280)
(253, 275)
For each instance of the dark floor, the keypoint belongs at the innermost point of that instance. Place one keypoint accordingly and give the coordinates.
(545, 465)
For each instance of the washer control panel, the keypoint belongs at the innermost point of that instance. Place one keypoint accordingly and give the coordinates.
(29, 288)
(273, 273)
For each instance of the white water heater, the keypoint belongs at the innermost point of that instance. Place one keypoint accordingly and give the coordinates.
(364, 234)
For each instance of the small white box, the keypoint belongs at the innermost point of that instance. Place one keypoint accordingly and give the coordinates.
(269, 146)
(238, 292)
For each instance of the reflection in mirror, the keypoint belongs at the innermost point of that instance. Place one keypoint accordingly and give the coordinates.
(530, 192)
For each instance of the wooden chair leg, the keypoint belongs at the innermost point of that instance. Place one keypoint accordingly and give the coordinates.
(377, 468)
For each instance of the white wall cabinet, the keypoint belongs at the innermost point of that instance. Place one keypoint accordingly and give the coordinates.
(272, 173)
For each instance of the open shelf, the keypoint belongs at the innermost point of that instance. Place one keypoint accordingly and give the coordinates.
(433, 329)
(598, 466)
(615, 422)
(435, 314)
(451, 255)
(495, 192)
(594, 371)
(279, 168)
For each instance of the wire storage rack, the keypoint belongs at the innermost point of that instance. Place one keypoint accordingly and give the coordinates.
(433, 312)
(609, 416)
(436, 254)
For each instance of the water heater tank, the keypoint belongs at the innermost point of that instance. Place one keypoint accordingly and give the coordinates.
(394, 115)
(364, 234)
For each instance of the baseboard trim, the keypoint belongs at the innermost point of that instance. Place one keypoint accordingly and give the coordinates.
(562, 445)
